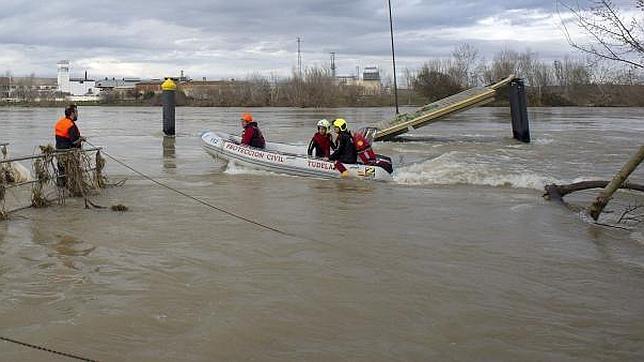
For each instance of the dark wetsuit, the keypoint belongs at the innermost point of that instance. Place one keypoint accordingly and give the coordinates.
(345, 151)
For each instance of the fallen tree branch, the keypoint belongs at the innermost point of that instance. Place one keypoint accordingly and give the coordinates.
(556, 192)
(618, 180)
(613, 226)
(627, 215)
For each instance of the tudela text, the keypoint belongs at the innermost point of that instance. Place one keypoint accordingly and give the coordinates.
(321, 164)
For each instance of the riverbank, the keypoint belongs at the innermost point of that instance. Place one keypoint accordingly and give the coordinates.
(601, 95)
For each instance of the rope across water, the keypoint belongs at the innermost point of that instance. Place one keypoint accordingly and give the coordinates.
(166, 186)
(205, 203)
(69, 355)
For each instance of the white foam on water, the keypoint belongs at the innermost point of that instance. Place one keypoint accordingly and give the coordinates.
(588, 178)
(453, 168)
(233, 168)
(543, 141)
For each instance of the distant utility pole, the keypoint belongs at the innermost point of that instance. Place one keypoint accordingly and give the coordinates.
(393, 55)
(299, 57)
(332, 64)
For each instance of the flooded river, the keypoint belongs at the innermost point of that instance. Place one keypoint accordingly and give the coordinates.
(458, 259)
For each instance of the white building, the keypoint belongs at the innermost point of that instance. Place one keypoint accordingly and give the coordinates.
(63, 76)
(74, 86)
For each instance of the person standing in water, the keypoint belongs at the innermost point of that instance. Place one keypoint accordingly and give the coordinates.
(67, 137)
(66, 132)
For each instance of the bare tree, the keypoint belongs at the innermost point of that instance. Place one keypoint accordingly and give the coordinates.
(435, 80)
(612, 35)
(537, 74)
(409, 77)
(607, 72)
(465, 61)
(571, 72)
(505, 62)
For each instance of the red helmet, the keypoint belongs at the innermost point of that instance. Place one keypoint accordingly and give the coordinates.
(247, 117)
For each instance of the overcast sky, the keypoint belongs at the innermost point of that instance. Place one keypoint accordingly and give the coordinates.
(234, 38)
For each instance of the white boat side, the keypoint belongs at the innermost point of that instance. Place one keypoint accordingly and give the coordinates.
(283, 158)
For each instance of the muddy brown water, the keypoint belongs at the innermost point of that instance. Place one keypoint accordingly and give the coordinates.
(459, 258)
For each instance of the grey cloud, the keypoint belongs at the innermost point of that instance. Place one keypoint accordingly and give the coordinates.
(238, 37)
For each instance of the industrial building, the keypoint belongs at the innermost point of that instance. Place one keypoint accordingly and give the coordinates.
(370, 80)
(79, 89)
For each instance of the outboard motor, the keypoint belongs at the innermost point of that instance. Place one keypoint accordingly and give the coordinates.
(368, 133)
(365, 152)
(385, 163)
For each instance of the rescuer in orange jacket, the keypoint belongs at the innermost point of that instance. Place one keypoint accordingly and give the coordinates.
(67, 133)
(67, 137)
(251, 136)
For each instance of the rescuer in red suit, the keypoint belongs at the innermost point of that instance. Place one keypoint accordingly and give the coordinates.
(321, 143)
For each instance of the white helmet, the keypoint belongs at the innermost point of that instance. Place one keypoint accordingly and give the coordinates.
(324, 123)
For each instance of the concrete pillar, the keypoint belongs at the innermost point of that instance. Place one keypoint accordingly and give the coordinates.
(168, 99)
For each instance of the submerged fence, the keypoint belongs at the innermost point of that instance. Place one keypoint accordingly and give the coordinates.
(54, 176)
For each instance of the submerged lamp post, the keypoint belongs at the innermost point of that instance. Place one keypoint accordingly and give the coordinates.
(168, 99)
(393, 55)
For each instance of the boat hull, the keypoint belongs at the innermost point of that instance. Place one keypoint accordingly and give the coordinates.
(281, 158)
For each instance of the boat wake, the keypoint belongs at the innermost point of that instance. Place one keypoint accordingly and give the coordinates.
(451, 168)
(233, 168)
(454, 168)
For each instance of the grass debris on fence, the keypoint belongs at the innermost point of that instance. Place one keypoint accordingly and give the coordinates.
(58, 174)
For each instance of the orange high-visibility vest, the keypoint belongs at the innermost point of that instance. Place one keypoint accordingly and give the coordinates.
(63, 126)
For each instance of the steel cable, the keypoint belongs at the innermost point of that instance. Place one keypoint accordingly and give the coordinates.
(69, 355)
(205, 203)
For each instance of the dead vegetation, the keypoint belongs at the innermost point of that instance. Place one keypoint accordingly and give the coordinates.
(58, 175)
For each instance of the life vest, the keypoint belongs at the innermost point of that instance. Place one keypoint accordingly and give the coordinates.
(63, 126)
(325, 144)
(257, 139)
(363, 148)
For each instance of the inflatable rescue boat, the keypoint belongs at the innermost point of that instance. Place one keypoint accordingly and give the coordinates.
(283, 158)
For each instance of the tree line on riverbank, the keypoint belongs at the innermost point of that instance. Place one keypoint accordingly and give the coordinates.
(564, 82)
